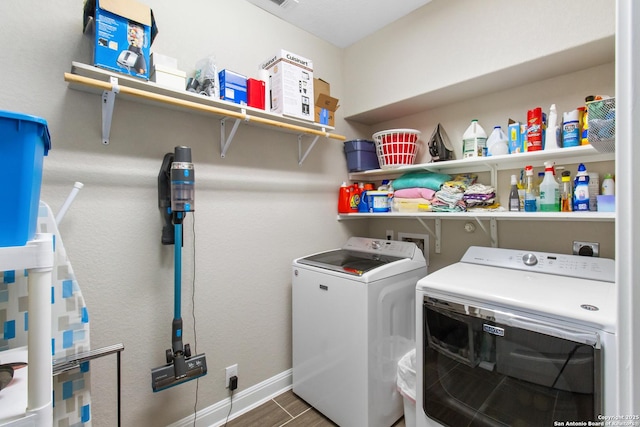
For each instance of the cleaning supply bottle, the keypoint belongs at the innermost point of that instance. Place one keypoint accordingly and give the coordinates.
(514, 200)
(549, 191)
(497, 143)
(534, 129)
(552, 133)
(529, 193)
(354, 198)
(344, 199)
(594, 190)
(608, 185)
(474, 140)
(584, 131)
(571, 129)
(536, 188)
(581, 189)
(566, 195)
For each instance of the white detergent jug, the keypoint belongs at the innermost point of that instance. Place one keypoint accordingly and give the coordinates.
(497, 143)
(474, 140)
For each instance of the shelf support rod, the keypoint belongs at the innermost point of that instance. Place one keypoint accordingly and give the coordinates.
(225, 141)
(302, 157)
(436, 235)
(492, 232)
(108, 102)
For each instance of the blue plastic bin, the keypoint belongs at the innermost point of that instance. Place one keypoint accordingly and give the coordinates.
(361, 155)
(24, 141)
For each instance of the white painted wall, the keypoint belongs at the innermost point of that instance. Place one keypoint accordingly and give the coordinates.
(447, 51)
(256, 209)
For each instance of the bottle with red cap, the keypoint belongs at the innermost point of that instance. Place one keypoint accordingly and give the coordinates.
(344, 199)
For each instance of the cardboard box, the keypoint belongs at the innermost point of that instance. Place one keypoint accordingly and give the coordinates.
(255, 93)
(325, 106)
(163, 61)
(517, 133)
(291, 78)
(169, 77)
(123, 31)
(233, 87)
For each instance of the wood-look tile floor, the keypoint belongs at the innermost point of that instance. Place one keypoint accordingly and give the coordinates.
(288, 410)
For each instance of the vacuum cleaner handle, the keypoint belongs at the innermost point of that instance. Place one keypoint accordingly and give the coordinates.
(164, 199)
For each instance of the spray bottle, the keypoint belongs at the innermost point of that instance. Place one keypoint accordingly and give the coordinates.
(549, 191)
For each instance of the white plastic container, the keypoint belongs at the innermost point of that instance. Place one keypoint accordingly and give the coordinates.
(474, 140)
(552, 133)
(608, 185)
(406, 383)
(498, 142)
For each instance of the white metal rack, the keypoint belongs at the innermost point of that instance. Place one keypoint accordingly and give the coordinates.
(36, 257)
(96, 80)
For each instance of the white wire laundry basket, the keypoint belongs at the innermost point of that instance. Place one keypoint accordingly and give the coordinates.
(396, 147)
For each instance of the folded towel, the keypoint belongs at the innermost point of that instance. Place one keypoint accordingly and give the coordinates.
(415, 193)
(420, 179)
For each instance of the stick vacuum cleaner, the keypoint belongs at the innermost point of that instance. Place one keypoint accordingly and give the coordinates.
(176, 199)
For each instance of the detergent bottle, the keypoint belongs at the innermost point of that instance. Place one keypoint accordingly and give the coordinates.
(581, 190)
(474, 140)
(549, 191)
(343, 199)
(354, 198)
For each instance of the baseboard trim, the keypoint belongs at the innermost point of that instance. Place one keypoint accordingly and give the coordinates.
(244, 401)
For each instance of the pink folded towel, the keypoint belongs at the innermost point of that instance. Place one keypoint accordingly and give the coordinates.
(415, 193)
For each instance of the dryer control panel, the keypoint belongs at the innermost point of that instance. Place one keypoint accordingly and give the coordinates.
(583, 267)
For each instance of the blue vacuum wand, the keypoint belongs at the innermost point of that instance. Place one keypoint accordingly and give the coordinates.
(176, 199)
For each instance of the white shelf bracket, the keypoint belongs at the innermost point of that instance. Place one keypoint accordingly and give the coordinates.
(493, 170)
(108, 101)
(436, 235)
(492, 232)
(301, 156)
(225, 141)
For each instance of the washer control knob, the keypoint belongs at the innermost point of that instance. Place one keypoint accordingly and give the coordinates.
(375, 244)
(529, 259)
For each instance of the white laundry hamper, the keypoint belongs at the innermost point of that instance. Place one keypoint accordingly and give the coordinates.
(406, 382)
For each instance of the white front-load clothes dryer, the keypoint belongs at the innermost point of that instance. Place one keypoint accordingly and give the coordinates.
(353, 319)
(516, 338)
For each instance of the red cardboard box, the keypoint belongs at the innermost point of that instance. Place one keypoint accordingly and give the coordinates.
(255, 93)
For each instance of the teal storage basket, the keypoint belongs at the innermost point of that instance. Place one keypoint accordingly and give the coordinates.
(24, 141)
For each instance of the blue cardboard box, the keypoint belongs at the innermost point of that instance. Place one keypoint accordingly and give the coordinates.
(233, 87)
(123, 31)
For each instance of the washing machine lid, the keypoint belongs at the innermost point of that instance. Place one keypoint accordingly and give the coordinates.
(361, 255)
(498, 277)
(349, 262)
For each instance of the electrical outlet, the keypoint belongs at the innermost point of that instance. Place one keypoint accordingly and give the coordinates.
(586, 248)
(389, 234)
(421, 241)
(230, 371)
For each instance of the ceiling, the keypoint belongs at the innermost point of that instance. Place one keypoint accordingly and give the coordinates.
(340, 22)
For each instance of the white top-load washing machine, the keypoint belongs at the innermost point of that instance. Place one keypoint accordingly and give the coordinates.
(353, 319)
(512, 337)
